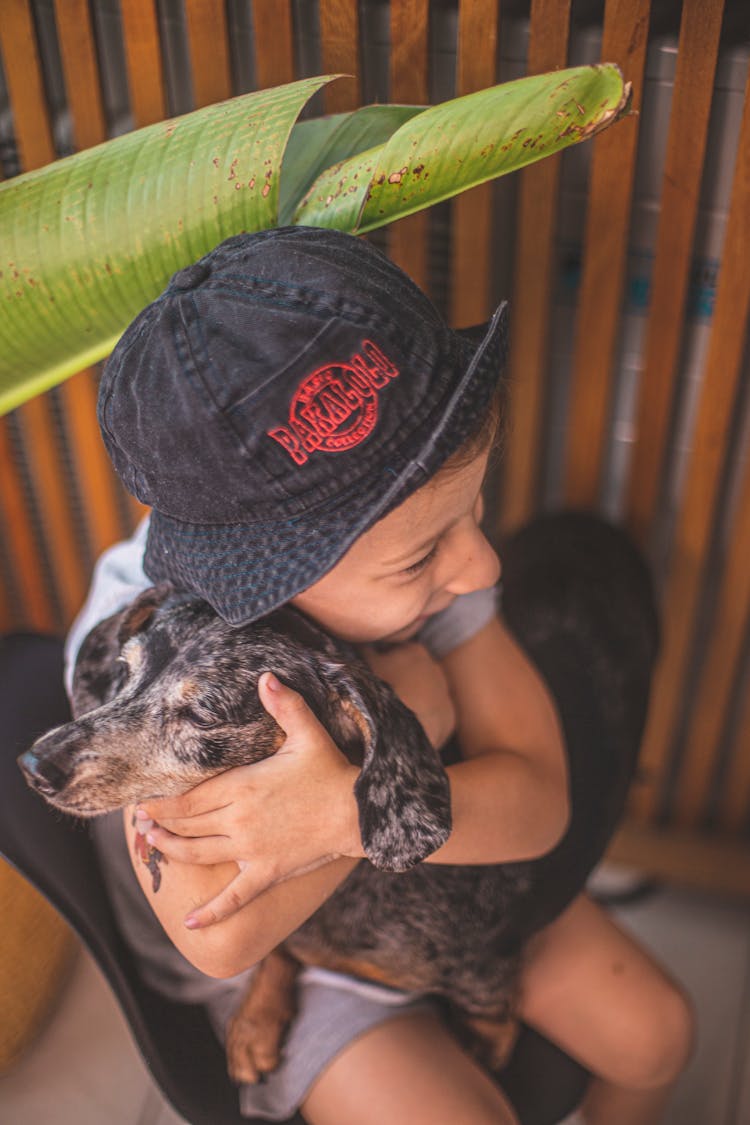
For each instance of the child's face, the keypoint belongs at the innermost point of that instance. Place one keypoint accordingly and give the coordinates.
(410, 565)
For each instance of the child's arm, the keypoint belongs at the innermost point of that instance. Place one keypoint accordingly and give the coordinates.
(510, 795)
(231, 945)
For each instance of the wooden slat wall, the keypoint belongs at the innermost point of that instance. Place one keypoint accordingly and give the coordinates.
(95, 477)
(140, 28)
(471, 221)
(33, 134)
(729, 627)
(692, 542)
(339, 32)
(530, 312)
(274, 46)
(624, 41)
(209, 51)
(55, 478)
(686, 146)
(407, 239)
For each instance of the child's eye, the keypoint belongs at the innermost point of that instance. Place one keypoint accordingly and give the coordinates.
(421, 563)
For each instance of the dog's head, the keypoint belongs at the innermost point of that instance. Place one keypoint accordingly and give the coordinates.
(165, 694)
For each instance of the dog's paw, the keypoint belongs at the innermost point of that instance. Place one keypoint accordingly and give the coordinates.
(256, 1031)
(493, 1041)
(253, 1045)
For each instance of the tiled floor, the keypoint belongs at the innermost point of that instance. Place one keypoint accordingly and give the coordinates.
(84, 1069)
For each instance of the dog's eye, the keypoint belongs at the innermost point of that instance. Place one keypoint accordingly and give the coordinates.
(200, 718)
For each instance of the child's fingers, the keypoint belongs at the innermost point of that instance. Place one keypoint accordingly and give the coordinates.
(246, 885)
(181, 849)
(287, 707)
(212, 823)
(215, 793)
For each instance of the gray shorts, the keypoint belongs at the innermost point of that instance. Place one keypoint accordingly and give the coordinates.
(333, 1011)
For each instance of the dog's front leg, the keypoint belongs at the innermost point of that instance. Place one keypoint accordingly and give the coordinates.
(491, 1041)
(256, 1030)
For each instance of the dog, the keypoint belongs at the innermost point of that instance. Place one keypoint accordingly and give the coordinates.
(165, 695)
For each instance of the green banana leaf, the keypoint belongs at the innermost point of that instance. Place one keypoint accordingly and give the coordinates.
(465, 142)
(324, 142)
(88, 241)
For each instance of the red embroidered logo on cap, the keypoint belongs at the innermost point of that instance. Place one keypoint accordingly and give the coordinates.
(336, 406)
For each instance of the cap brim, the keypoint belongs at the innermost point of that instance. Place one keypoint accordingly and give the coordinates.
(246, 570)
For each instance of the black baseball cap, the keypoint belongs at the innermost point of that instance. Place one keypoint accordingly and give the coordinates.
(282, 394)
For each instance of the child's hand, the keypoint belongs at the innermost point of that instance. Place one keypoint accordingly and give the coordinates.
(420, 683)
(277, 818)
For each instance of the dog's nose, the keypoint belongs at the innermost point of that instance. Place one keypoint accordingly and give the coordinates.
(42, 774)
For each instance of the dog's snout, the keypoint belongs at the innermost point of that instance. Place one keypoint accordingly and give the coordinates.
(46, 774)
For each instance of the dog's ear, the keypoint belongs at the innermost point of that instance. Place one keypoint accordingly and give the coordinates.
(136, 616)
(402, 792)
(98, 674)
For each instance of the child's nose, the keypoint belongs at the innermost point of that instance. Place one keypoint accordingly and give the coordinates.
(475, 566)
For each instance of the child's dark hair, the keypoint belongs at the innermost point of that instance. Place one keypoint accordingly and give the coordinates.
(488, 434)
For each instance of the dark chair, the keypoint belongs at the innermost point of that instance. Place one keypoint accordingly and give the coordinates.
(175, 1040)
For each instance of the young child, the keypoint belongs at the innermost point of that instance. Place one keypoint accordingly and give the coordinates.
(308, 430)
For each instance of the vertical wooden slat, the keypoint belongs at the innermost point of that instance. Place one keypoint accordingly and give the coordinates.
(95, 475)
(274, 48)
(408, 238)
(530, 311)
(339, 33)
(30, 119)
(94, 472)
(624, 41)
(686, 145)
(717, 397)
(144, 62)
(728, 629)
(76, 38)
(471, 221)
(209, 51)
(36, 609)
(70, 572)
(34, 137)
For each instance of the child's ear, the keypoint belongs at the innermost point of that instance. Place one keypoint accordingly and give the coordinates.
(402, 792)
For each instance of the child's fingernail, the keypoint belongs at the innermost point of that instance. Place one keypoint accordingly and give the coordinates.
(141, 814)
(150, 838)
(192, 922)
(272, 683)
